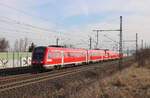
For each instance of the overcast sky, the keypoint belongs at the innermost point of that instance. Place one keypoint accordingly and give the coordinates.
(41, 21)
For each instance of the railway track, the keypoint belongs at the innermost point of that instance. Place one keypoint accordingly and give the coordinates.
(20, 81)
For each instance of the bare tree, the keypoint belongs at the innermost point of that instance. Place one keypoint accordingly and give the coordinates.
(4, 44)
(16, 46)
(21, 45)
(25, 44)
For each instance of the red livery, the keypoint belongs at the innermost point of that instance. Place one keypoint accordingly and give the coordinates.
(53, 57)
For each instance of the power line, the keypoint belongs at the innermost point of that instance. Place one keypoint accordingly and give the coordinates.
(120, 41)
(21, 11)
(27, 25)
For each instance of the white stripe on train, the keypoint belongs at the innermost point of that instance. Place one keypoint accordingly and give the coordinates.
(51, 66)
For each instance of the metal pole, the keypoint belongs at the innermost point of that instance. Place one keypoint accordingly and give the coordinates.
(120, 44)
(141, 44)
(90, 42)
(127, 51)
(27, 59)
(13, 60)
(18, 59)
(97, 40)
(57, 41)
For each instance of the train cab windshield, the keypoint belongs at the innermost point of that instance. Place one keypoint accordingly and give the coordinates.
(38, 53)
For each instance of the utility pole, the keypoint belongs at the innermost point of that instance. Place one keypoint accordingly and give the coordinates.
(145, 45)
(97, 37)
(57, 39)
(127, 51)
(97, 40)
(120, 44)
(141, 44)
(90, 43)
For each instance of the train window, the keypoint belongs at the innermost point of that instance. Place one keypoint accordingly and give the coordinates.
(54, 55)
(50, 55)
(71, 54)
(74, 54)
(58, 55)
(38, 53)
(68, 54)
(77, 54)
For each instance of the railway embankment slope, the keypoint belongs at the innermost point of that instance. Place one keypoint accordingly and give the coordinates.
(78, 85)
(133, 82)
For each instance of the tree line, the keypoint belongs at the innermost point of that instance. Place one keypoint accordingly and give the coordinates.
(21, 45)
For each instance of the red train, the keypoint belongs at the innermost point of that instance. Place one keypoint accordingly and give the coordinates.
(54, 57)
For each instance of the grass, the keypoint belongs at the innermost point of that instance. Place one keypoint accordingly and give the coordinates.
(133, 82)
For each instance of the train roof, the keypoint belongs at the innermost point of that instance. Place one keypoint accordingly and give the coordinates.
(75, 49)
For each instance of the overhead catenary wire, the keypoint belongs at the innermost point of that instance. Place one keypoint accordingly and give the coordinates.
(27, 25)
(31, 27)
(22, 11)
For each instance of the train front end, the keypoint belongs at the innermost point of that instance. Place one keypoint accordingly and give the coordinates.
(38, 57)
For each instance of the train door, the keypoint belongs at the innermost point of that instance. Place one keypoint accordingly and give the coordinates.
(87, 56)
(62, 58)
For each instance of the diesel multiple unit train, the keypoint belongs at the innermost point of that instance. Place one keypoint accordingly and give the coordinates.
(45, 57)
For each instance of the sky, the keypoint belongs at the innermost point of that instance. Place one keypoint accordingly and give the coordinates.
(73, 21)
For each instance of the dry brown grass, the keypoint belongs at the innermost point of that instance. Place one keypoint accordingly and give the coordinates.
(133, 82)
